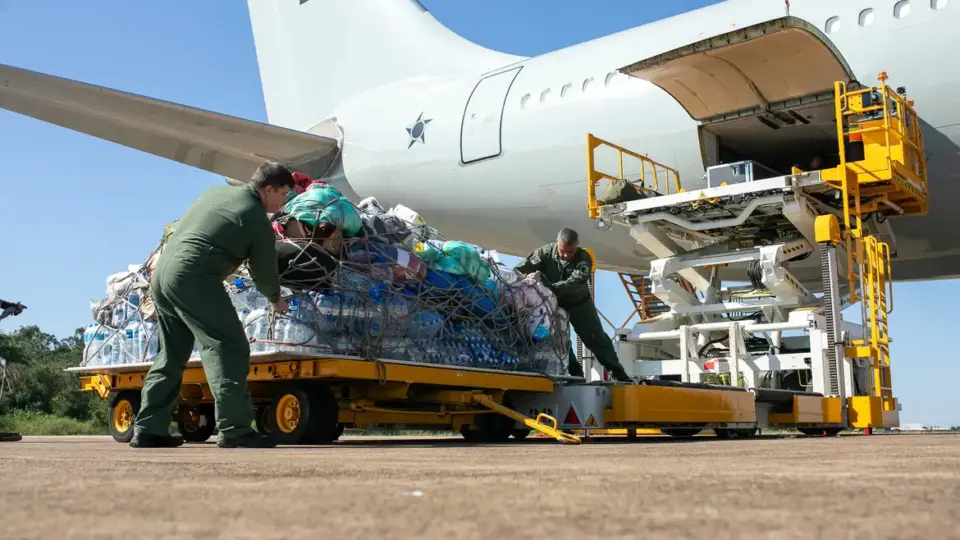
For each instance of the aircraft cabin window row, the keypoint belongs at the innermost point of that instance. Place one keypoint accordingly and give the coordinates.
(901, 10)
(565, 89)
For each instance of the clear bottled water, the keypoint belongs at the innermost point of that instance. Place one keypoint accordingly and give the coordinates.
(364, 316)
(133, 301)
(375, 314)
(298, 329)
(329, 309)
(425, 325)
(150, 337)
(257, 327)
(108, 343)
(90, 351)
(131, 346)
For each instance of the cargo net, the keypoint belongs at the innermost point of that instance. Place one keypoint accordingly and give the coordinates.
(394, 292)
(378, 301)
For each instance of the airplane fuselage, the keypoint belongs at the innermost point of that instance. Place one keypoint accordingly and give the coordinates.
(503, 164)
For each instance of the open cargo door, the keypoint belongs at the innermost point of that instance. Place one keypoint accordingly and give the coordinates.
(746, 70)
(763, 93)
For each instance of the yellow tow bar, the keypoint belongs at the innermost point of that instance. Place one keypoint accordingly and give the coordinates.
(538, 424)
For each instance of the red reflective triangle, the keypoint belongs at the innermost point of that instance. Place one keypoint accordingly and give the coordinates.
(571, 418)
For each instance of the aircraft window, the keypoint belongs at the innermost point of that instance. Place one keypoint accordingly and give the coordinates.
(524, 100)
(543, 95)
(565, 89)
(833, 24)
(938, 4)
(586, 83)
(901, 9)
(866, 17)
(609, 79)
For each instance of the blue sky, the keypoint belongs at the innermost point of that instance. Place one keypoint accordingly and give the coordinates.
(76, 209)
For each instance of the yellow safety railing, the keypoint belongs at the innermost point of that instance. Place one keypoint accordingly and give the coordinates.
(877, 304)
(651, 173)
(892, 141)
(889, 177)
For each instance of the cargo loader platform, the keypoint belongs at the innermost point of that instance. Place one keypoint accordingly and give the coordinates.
(754, 269)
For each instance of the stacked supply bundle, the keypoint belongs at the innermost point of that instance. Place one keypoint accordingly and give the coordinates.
(365, 282)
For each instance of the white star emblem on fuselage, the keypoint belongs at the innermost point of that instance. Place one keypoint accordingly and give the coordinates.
(417, 129)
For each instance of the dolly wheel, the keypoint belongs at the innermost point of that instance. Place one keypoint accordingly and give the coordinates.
(196, 422)
(471, 434)
(324, 426)
(288, 415)
(263, 424)
(123, 411)
(490, 427)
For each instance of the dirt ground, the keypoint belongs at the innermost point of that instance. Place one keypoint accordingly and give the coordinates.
(850, 487)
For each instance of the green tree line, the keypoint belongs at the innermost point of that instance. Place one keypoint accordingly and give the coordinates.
(35, 383)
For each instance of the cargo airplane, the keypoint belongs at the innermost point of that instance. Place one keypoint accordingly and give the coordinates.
(380, 99)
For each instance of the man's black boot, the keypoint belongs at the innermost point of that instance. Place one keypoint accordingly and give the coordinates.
(621, 375)
(147, 440)
(249, 440)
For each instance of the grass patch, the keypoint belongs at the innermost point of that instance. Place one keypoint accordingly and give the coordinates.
(36, 423)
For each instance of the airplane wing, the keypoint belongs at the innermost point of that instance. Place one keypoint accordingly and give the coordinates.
(222, 144)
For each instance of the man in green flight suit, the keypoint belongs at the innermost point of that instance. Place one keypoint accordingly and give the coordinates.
(565, 268)
(225, 226)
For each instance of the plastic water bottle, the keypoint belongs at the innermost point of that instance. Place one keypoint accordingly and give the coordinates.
(285, 328)
(257, 328)
(328, 314)
(109, 349)
(133, 300)
(398, 307)
(131, 352)
(302, 326)
(150, 337)
(375, 314)
(119, 316)
(90, 356)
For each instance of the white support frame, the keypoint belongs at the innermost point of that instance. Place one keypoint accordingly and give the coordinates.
(693, 246)
(736, 362)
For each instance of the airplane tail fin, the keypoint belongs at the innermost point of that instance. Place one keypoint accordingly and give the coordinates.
(314, 54)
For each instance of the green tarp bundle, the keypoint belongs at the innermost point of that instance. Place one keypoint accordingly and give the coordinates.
(325, 204)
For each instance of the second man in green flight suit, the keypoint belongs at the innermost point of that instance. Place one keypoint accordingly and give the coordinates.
(224, 227)
(566, 269)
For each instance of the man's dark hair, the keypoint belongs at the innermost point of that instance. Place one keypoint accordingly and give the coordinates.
(568, 236)
(272, 174)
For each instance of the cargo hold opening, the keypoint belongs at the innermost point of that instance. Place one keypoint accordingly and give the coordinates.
(762, 93)
(779, 139)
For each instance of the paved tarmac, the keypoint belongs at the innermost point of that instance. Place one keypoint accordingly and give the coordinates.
(895, 486)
